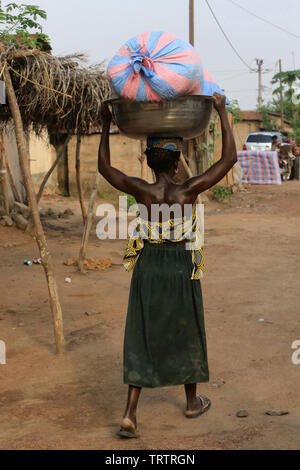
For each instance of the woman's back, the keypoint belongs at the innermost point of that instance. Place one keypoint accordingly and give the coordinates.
(163, 194)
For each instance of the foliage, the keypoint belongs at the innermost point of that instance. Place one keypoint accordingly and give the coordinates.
(19, 25)
(109, 194)
(234, 109)
(291, 111)
(267, 123)
(221, 192)
(130, 201)
(101, 194)
(288, 78)
(50, 212)
(209, 147)
(274, 106)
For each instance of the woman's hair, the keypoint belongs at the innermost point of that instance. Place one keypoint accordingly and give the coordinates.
(161, 160)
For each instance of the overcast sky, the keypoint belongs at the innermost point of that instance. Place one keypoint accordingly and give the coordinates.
(100, 27)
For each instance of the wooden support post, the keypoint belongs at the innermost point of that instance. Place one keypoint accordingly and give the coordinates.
(206, 156)
(281, 100)
(50, 171)
(17, 195)
(88, 224)
(186, 167)
(143, 160)
(78, 178)
(58, 140)
(3, 175)
(153, 176)
(39, 233)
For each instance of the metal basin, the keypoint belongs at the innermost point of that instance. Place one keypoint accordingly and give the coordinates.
(185, 117)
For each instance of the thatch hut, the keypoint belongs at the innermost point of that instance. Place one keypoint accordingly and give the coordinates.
(60, 94)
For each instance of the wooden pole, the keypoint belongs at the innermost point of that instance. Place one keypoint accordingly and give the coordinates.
(3, 175)
(78, 178)
(39, 233)
(281, 98)
(186, 167)
(206, 158)
(143, 160)
(17, 195)
(50, 171)
(153, 176)
(192, 22)
(259, 70)
(88, 224)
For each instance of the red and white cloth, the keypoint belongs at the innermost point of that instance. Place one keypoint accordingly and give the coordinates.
(260, 167)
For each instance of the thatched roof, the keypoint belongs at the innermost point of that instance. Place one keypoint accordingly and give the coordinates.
(60, 94)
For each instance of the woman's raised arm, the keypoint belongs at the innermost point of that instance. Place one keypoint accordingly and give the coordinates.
(115, 177)
(216, 173)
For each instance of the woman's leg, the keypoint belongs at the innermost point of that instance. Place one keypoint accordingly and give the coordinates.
(195, 403)
(191, 397)
(133, 398)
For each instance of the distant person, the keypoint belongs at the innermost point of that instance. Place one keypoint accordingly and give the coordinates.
(165, 340)
(288, 140)
(295, 148)
(285, 139)
(275, 143)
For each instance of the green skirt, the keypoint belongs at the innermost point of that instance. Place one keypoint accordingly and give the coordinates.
(165, 342)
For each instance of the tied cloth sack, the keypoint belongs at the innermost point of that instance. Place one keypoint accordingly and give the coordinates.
(158, 66)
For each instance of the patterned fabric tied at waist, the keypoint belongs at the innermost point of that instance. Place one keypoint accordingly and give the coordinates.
(186, 229)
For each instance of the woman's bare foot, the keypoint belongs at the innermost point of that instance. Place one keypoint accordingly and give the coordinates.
(196, 405)
(128, 429)
(129, 424)
(132, 418)
(199, 405)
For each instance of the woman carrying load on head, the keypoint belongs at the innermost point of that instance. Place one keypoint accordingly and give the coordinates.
(165, 341)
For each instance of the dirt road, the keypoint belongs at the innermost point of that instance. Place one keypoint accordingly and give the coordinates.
(76, 401)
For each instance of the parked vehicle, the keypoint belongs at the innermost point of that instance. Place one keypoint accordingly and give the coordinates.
(261, 141)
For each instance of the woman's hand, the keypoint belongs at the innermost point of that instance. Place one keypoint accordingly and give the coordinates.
(219, 102)
(105, 113)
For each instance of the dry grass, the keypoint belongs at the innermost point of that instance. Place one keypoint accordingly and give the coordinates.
(60, 94)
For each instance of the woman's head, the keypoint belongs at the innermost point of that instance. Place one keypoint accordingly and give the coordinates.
(162, 160)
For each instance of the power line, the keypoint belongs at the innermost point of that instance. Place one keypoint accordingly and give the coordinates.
(238, 91)
(233, 76)
(263, 19)
(226, 37)
(226, 71)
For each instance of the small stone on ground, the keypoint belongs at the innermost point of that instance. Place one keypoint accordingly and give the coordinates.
(276, 412)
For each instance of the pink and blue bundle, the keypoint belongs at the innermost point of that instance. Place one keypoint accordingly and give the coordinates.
(157, 66)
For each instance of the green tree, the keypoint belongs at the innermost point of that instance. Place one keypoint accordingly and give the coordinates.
(288, 80)
(235, 110)
(19, 25)
(291, 111)
(268, 123)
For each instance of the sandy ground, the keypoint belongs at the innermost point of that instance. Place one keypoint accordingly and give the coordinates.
(76, 401)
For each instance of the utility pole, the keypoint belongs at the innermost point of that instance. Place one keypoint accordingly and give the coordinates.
(192, 23)
(259, 63)
(281, 97)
